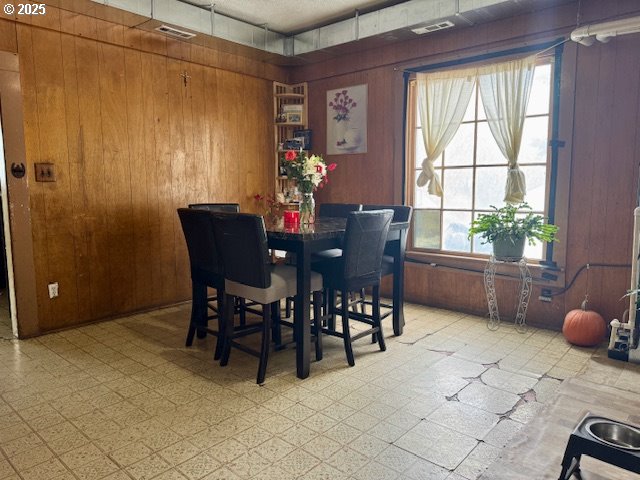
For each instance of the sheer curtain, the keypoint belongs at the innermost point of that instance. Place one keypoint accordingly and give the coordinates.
(505, 89)
(442, 100)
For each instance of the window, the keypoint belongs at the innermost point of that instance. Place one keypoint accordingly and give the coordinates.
(473, 173)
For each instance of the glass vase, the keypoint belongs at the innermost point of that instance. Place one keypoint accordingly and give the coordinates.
(307, 209)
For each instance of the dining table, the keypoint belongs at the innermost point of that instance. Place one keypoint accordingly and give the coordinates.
(326, 233)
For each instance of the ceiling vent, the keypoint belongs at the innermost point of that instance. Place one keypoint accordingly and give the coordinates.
(433, 28)
(174, 32)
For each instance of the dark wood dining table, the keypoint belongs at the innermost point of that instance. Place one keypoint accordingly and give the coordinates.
(324, 234)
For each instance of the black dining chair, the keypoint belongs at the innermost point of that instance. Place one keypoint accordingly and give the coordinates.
(325, 210)
(335, 210)
(212, 300)
(359, 266)
(401, 213)
(249, 274)
(206, 272)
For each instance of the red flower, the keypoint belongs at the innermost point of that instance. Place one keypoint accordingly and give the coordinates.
(290, 155)
(332, 166)
(257, 197)
(318, 168)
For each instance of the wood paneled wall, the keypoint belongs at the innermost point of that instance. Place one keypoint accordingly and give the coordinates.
(600, 114)
(130, 142)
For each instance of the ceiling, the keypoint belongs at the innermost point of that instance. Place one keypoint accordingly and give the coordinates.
(290, 32)
(292, 16)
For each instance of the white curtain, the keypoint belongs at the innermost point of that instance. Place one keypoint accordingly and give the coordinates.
(505, 89)
(442, 100)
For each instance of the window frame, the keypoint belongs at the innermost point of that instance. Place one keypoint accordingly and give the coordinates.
(412, 169)
(549, 271)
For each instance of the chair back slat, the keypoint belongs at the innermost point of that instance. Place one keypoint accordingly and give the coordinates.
(217, 207)
(364, 241)
(339, 210)
(401, 213)
(242, 240)
(197, 227)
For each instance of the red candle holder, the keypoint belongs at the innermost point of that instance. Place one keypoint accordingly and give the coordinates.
(292, 217)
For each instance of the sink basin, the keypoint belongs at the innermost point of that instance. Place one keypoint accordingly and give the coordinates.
(615, 434)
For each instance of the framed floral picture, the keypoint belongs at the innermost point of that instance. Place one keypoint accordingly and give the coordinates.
(347, 120)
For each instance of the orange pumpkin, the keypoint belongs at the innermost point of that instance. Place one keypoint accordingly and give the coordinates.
(583, 327)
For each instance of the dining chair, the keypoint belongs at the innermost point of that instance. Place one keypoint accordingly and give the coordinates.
(212, 300)
(401, 213)
(325, 210)
(249, 274)
(206, 271)
(359, 266)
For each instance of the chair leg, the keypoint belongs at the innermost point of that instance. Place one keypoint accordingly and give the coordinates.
(346, 334)
(229, 311)
(376, 316)
(331, 320)
(221, 324)
(198, 319)
(266, 340)
(363, 306)
(317, 322)
(287, 308)
(276, 327)
(325, 306)
(243, 311)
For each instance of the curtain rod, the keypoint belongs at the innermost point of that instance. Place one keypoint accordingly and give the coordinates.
(545, 46)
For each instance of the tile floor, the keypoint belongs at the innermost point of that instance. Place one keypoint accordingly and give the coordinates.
(125, 400)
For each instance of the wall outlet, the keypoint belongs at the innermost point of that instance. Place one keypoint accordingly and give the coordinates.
(53, 290)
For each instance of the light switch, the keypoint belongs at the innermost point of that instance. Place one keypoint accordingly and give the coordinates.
(45, 172)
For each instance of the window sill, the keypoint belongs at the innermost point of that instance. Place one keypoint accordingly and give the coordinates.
(541, 275)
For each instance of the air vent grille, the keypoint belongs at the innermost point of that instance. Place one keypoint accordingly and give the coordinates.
(433, 28)
(174, 32)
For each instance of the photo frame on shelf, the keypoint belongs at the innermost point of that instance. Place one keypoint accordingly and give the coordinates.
(293, 144)
(293, 117)
(305, 135)
(290, 108)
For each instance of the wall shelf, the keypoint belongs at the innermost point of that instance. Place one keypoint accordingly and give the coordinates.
(283, 96)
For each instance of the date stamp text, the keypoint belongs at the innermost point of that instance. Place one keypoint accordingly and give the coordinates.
(25, 9)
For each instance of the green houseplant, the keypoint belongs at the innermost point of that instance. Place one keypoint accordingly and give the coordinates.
(507, 228)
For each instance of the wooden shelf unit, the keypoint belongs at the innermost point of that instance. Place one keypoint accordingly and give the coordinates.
(284, 94)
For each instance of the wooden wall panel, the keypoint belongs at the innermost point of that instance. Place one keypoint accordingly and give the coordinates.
(601, 115)
(131, 142)
(91, 178)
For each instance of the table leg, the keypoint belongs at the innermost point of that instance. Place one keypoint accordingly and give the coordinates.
(398, 284)
(302, 316)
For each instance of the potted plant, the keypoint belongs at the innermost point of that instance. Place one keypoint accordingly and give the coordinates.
(507, 228)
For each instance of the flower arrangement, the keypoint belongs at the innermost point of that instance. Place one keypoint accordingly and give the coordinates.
(342, 104)
(309, 171)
